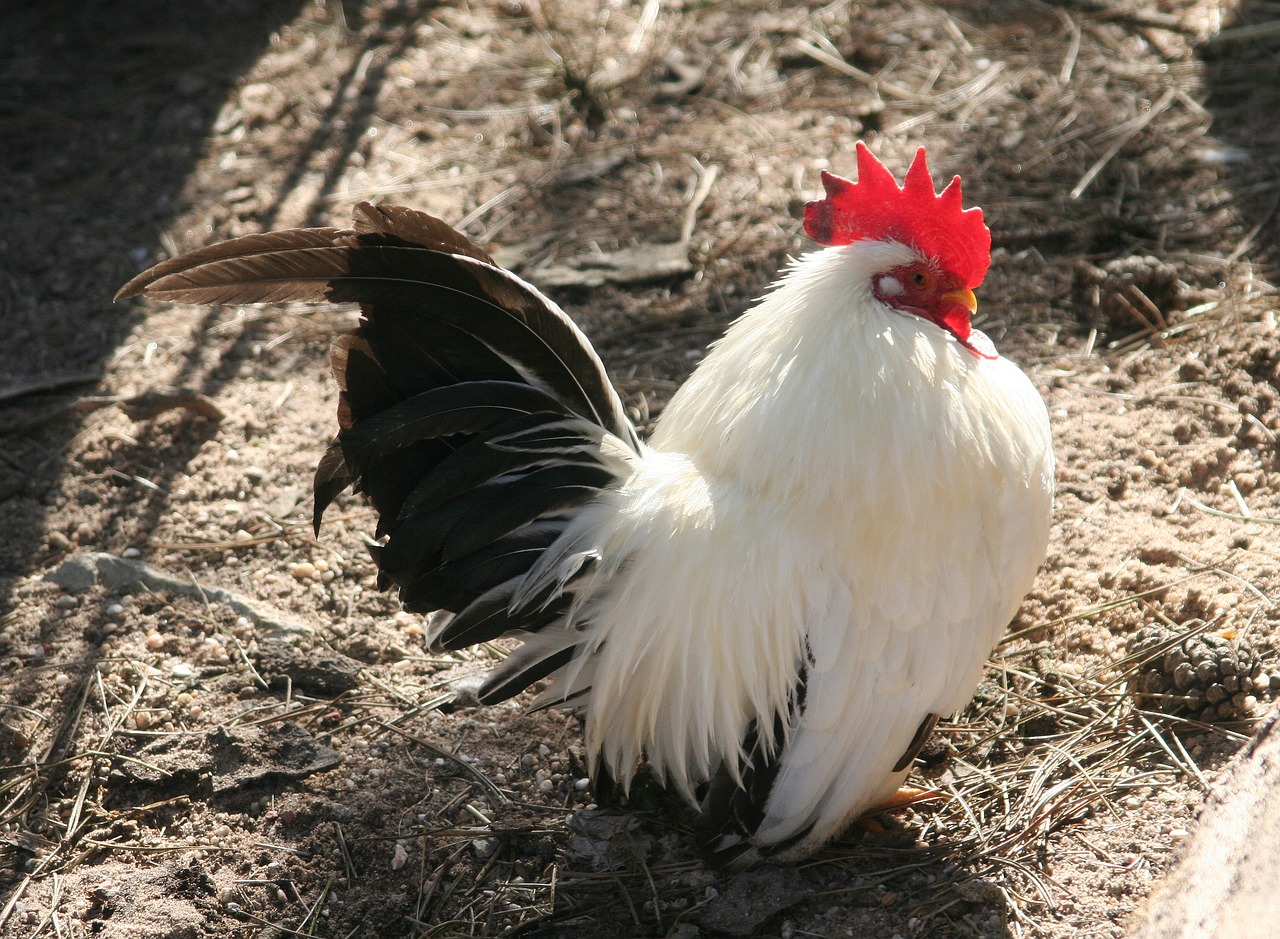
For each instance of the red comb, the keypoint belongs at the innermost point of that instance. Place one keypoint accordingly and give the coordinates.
(877, 208)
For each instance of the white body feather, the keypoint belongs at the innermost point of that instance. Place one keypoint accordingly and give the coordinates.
(839, 487)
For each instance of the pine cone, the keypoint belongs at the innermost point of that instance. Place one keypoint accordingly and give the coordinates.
(1206, 677)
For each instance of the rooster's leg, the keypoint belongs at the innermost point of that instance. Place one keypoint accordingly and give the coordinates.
(906, 796)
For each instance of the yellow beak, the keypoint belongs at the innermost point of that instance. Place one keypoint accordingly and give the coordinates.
(963, 296)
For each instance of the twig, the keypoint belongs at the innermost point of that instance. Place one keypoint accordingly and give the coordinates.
(1209, 510)
(151, 404)
(347, 863)
(485, 782)
(832, 59)
(1249, 31)
(13, 900)
(1127, 132)
(706, 179)
(14, 392)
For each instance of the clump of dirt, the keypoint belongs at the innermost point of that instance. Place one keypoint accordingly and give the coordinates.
(1205, 675)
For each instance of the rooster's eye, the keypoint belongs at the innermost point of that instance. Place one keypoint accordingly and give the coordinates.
(919, 278)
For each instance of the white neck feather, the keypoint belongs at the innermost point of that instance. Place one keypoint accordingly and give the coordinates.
(817, 379)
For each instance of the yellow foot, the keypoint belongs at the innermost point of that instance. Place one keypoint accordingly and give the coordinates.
(904, 798)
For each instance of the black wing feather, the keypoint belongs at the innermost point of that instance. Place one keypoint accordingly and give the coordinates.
(509, 505)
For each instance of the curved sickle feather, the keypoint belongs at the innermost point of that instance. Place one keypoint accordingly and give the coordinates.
(405, 265)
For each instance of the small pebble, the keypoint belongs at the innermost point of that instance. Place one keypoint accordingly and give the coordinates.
(582, 785)
(182, 670)
(399, 857)
(131, 553)
(115, 611)
(66, 602)
(155, 641)
(303, 570)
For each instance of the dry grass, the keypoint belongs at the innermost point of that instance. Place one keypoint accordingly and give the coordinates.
(1043, 757)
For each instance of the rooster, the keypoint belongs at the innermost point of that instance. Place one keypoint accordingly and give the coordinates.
(774, 598)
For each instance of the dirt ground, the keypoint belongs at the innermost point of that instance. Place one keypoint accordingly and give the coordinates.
(212, 724)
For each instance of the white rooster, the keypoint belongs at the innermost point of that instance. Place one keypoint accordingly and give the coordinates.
(772, 600)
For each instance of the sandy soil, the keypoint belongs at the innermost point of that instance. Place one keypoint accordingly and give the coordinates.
(212, 724)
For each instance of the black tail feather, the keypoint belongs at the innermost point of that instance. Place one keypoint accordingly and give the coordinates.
(473, 413)
(463, 409)
(490, 457)
(502, 685)
(331, 480)
(453, 585)
(488, 617)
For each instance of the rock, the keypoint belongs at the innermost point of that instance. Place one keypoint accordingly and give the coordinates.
(316, 672)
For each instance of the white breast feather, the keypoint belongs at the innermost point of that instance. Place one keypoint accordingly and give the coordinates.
(836, 475)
